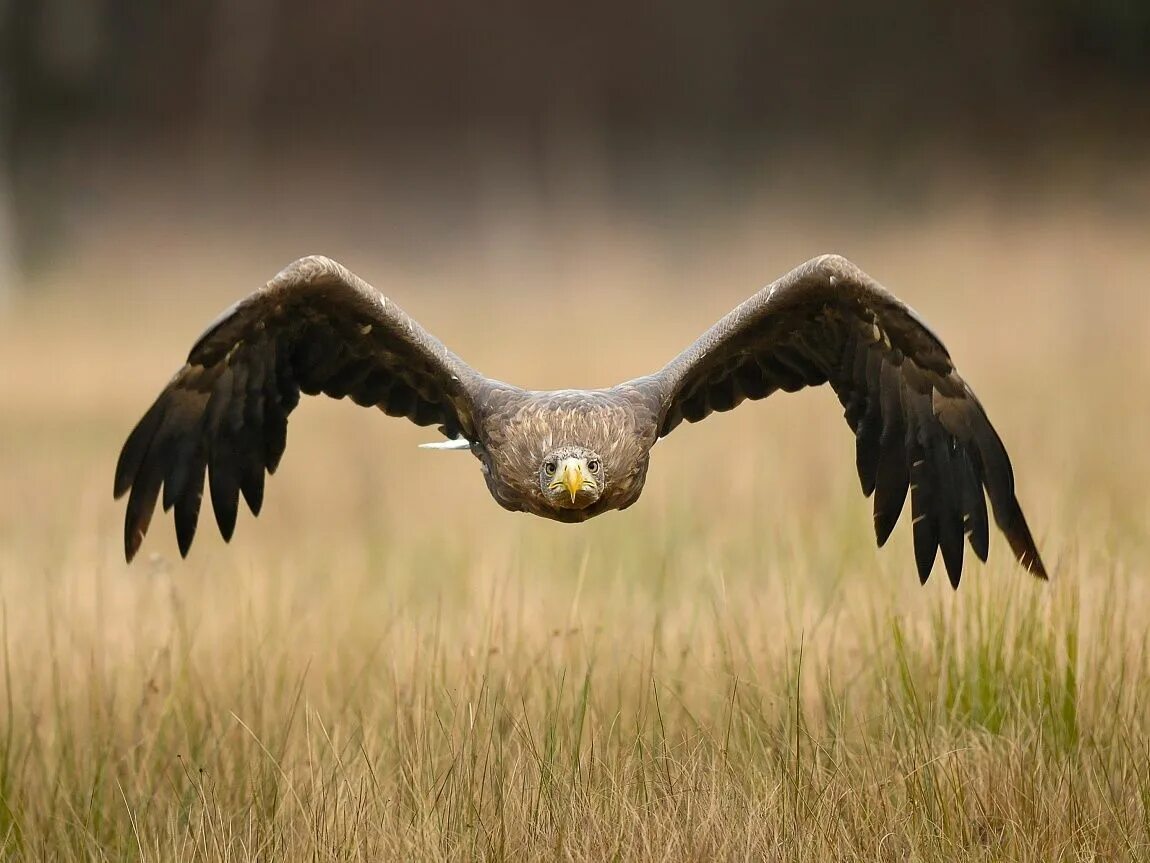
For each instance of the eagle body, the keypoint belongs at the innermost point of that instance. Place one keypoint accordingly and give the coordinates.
(220, 424)
(518, 428)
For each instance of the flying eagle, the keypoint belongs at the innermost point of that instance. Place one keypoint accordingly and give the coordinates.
(570, 455)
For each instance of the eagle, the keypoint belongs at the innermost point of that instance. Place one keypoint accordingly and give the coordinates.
(570, 455)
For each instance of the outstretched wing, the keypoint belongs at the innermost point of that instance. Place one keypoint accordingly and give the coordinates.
(917, 423)
(314, 328)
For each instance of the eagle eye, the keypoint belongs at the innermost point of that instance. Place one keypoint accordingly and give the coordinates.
(550, 466)
(593, 465)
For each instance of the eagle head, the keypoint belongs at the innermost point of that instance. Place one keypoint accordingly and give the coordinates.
(572, 477)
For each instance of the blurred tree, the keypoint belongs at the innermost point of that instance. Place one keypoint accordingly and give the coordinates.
(7, 205)
(612, 81)
(249, 70)
(48, 52)
(236, 73)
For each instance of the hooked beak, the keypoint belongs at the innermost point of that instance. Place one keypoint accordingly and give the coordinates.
(573, 476)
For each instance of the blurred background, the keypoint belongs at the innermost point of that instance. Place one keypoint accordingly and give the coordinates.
(485, 164)
(406, 126)
(494, 167)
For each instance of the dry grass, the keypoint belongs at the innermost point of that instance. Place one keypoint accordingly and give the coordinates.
(387, 666)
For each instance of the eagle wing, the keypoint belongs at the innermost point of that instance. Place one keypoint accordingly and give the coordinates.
(917, 424)
(315, 328)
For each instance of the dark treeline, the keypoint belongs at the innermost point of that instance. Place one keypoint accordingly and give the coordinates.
(855, 77)
(765, 69)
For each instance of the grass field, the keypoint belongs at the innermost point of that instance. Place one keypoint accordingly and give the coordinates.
(385, 665)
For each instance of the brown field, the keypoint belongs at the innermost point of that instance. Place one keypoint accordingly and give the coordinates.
(386, 665)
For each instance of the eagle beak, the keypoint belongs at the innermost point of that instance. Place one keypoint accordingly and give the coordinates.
(573, 475)
(573, 479)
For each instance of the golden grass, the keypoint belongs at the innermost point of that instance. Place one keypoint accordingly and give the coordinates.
(388, 666)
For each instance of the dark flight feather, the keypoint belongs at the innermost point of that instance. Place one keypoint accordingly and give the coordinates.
(314, 328)
(917, 425)
(892, 476)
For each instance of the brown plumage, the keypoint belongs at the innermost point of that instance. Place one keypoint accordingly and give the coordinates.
(572, 454)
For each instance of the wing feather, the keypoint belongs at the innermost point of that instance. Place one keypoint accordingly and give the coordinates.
(316, 327)
(919, 429)
(949, 510)
(974, 505)
(923, 520)
(892, 475)
(868, 431)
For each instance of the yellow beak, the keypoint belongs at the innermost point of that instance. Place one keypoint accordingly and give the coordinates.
(573, 479)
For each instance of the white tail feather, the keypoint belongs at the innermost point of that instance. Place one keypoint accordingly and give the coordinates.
(457, 443)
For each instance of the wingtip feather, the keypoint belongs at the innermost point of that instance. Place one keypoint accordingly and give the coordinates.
(135, 448)
(131, 544)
